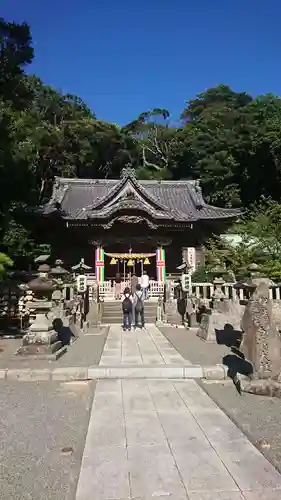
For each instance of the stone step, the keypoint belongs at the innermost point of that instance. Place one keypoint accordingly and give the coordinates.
(71, 373)
(113, 305)
(217, 372)
(151, 312)
(112, 312)
(116, 312)
(119, 311)
(118, 320)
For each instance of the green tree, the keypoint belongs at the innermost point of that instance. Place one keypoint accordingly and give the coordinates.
(154, 142)
(259, 242)
(214, 98)
(5, 262)
(15, 53)
(259, 172)
(211, 142)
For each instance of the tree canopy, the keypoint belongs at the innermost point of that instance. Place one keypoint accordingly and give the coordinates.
(227, 139)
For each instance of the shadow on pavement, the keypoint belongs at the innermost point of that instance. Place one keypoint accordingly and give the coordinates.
(235, 362)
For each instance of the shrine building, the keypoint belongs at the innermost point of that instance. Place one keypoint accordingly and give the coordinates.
(129, 225)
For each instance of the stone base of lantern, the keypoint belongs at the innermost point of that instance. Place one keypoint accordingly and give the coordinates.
(38, 352)
(41, 340)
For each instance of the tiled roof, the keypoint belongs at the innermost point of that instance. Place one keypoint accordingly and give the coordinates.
(181, 201)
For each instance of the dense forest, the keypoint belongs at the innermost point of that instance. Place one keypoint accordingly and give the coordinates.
(229, 140)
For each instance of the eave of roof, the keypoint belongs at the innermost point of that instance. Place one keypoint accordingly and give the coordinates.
(94, 199)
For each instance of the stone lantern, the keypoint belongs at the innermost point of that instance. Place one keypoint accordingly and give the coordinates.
(58, 274)
(249, 285)
(219, 300)
(257, 276)
(41, 339)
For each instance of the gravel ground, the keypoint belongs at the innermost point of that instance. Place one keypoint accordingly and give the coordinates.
(193, 348)
(85, 351)
(36, 421)
(257, 416)
(7, 349)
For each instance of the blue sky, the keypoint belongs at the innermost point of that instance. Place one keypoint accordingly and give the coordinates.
(125, 57)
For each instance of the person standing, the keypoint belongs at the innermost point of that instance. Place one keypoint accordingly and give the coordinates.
(118, 286)
(127, 308)
(138, 307)
(134, 283)
(144, 282)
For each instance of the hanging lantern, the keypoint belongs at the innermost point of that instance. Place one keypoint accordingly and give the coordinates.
(146, 261)
(113, 261)
(130, 263)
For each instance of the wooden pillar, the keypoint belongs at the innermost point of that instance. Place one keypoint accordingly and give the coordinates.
(99, 264)
(161, 264)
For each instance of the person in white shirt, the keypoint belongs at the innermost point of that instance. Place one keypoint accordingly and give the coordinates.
(144, 283)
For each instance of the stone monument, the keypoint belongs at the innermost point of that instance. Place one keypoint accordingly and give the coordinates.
(261, 342)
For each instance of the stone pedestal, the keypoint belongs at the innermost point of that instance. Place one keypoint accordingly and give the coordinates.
(219, 326)
(192, 320)
(93, 314)
(172, 315)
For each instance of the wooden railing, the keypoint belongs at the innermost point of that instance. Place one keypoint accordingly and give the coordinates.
(106, 289)
(204, 290)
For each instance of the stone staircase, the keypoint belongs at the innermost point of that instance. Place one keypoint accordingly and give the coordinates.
(112, 312)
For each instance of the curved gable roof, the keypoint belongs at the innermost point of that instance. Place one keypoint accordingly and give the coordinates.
(100, 198)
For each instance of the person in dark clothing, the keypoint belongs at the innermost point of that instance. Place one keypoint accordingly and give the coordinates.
(127, 308)
(118, 286)
(65, 334)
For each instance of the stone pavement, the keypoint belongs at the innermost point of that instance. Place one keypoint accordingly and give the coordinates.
(143, 353)
(169, 440)
(139, 347)
(194, 348)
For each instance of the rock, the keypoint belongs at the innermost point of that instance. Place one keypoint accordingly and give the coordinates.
(265, 387)
(261, 340)
(263, 444)
(67, 450)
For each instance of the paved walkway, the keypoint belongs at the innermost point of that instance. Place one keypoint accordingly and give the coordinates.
(140, 347)
(168, 440)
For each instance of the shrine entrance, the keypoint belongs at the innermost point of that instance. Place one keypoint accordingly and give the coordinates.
(129, 263)
(107, 264)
